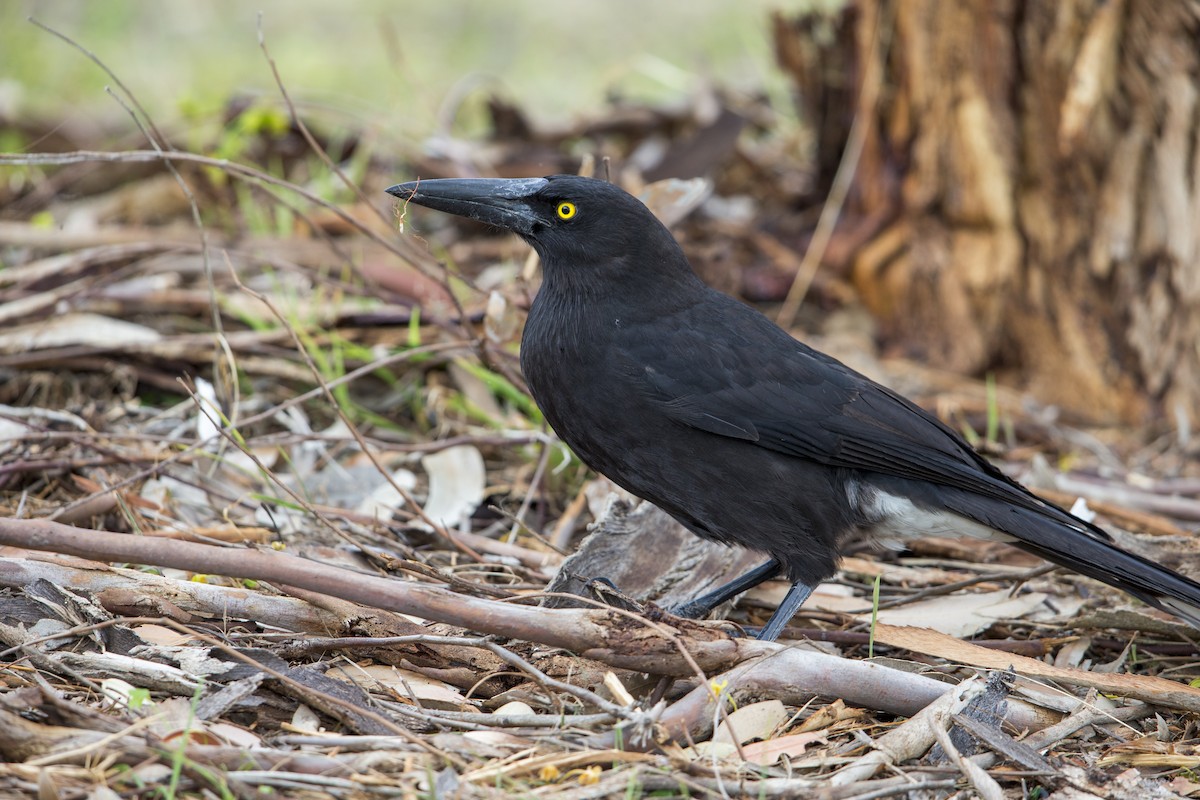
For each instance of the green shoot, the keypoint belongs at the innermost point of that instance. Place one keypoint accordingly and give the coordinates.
(874, 617)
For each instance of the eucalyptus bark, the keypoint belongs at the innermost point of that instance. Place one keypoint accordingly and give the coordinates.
(1036, 162)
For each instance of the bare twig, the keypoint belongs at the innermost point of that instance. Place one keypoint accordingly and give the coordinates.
(188, 452)
(842, 180)
(410, 502)
(157, 134)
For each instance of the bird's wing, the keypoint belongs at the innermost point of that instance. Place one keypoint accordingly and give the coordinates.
(802, 403)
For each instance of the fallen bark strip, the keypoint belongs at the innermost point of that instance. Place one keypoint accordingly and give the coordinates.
(132, 592)
(909, 740)
(792, 677)
(1147, 688)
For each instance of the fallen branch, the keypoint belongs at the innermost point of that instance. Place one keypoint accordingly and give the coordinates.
(617, 638)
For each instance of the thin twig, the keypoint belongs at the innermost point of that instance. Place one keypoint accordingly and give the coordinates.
(198, 446)
(842, 180)
(120, 84)
(409, 501)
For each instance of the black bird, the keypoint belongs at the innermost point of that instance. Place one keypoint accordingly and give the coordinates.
(692, 400)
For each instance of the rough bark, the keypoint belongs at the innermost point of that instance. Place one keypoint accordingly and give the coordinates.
(1038, 163)
(682, 567)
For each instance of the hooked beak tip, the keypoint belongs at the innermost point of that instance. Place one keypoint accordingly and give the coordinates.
(503, 202)
(402, 190)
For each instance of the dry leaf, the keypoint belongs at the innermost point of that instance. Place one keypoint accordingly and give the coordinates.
(756, 721)
(382, 502)
(456, 484)
(162, 635)
(672, 199)
(830, 715)
(514, 708)
(234, 735)
(501, 322)
(961, 615)
(769, 752)
(305, 720)
(76, 329)
(403, 683)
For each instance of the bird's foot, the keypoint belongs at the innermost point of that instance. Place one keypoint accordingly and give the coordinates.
(694, 609)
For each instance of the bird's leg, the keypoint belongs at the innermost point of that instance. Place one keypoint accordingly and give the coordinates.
(787, 609)
(701, 606)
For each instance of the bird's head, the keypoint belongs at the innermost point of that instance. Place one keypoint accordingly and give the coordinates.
(571, 221)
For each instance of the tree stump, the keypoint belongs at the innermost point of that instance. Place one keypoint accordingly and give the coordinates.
(1037, 164)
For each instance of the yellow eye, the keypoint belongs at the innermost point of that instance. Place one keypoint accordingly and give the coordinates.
(565, 210)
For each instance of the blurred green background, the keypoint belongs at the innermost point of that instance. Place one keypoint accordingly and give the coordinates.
(393, 63)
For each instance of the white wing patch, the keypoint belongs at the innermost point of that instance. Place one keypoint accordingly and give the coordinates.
(892, 520)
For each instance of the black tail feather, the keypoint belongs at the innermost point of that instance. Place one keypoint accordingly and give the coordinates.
(1151, 583)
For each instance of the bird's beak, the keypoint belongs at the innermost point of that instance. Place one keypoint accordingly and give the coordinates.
(503, 202)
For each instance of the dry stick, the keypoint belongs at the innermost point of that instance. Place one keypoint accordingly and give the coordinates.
(540, 557)
(1086, 714)
(566, 523)
(452, 581)
(592, 634)
(910, 739)
(869, 96)
(719, 713)
(530, 558)
(64, 417)
(790, 675)
(538, 472)
(100, 745)
(39, 659)
(666, 631)
(287, 438)
(511, 658)
(121, 590)
(472, 720)
(976, 775)
(353, 375)
(308, 137)
(1043, 740)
